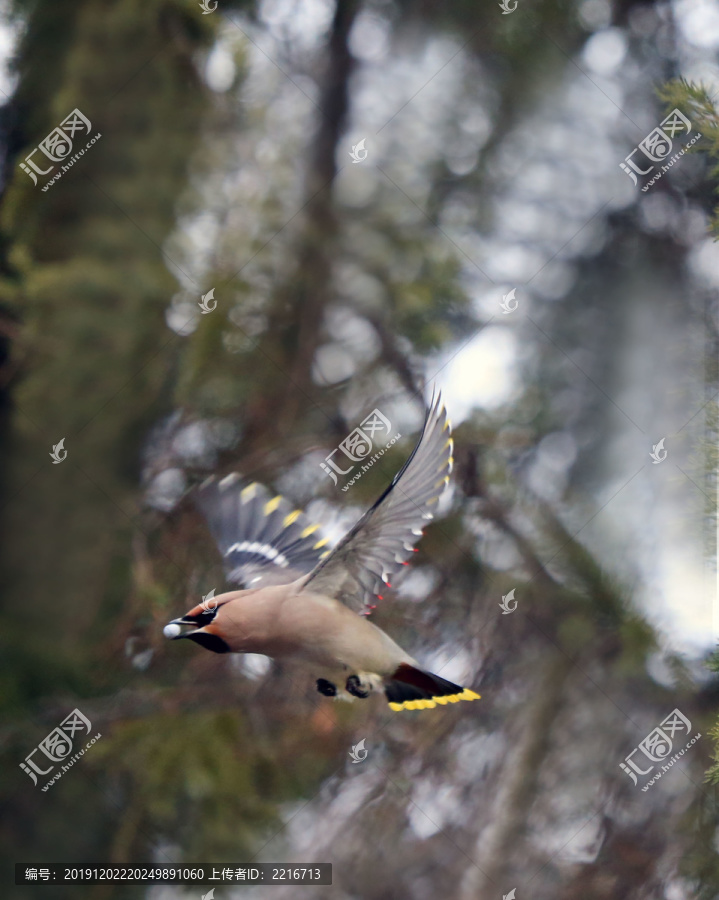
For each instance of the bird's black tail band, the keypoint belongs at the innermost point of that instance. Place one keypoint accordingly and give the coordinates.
(412, 688)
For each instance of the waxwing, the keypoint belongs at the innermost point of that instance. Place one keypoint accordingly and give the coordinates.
(304, 602)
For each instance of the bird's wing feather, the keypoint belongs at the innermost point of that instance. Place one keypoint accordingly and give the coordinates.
(263, 539)
(381, 542)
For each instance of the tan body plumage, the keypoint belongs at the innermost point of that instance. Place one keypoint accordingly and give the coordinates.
(285, 622)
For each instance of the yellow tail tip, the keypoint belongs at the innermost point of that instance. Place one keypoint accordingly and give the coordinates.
(431, 703)
(469, 695)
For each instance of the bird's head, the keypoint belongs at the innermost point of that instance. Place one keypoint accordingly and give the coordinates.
(199, 625)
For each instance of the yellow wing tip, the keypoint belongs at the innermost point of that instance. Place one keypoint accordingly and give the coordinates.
(291, 517)
(248, 491)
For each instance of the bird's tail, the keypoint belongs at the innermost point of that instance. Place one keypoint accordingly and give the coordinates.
(412, 688)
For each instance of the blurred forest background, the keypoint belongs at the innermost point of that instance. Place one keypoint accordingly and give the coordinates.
(493, 148)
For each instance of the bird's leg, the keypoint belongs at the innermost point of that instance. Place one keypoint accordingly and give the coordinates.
(326, 687)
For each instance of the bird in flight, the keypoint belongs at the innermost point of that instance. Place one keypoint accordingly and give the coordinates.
(303, 602)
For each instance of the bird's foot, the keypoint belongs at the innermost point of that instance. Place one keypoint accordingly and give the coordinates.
(356, 688)
(326, 688)
(363, 684)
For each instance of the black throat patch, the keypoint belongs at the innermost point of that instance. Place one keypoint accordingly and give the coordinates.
(208, 641)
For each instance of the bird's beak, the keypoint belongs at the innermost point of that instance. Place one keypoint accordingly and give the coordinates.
(197, 631)
(174, 629)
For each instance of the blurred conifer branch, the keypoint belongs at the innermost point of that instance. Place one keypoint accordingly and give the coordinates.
(695, 101)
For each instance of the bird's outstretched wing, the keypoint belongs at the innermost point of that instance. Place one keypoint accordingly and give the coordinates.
(262, 538)
(381, 542)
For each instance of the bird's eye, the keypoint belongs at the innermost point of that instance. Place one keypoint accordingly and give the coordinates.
(207, 616)
(203, 618)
